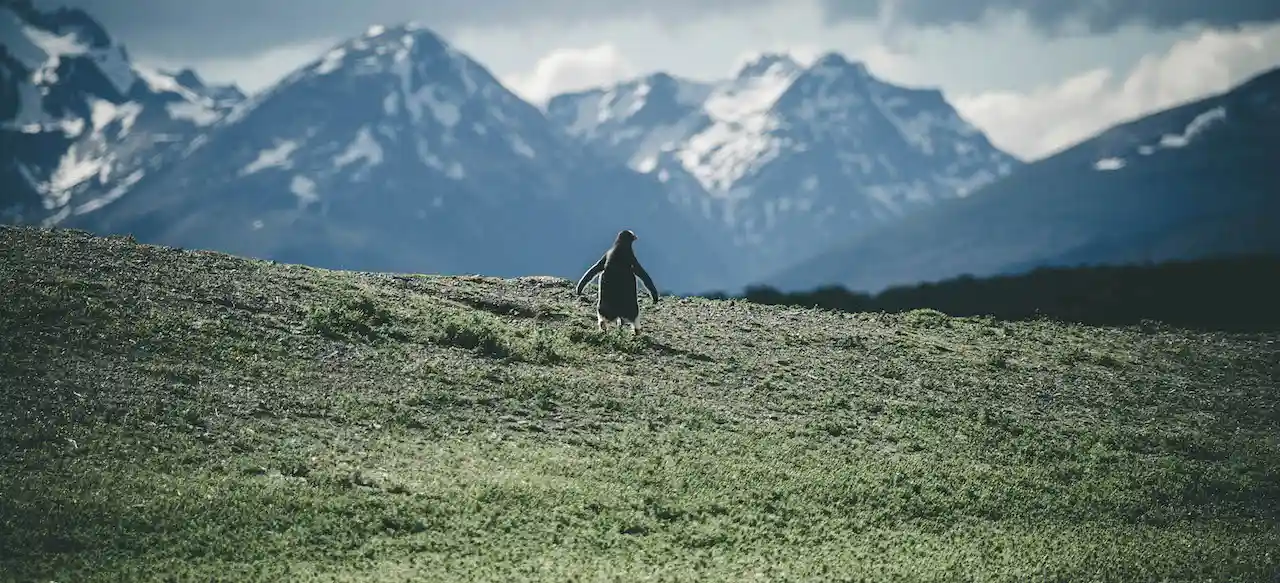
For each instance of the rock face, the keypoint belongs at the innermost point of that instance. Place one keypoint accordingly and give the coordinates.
(82, 122)
(1196, 180)
(787, 160)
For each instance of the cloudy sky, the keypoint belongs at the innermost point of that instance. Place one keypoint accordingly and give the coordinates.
(1036, 75)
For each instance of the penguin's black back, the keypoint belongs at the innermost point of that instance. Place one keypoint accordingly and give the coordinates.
(618, 282)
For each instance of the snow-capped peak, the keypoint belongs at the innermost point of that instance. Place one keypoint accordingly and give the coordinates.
(789, 157)
(423, 63)
(657, 99)
(736, 139)
(432, 76)
(395, 101)
(43, 41)
(834, 63)
(88, 125)
(191, 80)
(381, 44)
(432, 81)
(186, 97)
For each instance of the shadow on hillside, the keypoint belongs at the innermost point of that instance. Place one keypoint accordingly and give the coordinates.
(1240, 294)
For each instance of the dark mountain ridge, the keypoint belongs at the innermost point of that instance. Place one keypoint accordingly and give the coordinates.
(1196, 180)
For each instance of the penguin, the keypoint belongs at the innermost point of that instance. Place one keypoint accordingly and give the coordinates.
(618, 268)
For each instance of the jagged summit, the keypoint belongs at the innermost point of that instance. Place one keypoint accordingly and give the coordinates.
(66, 45)
(191, 80)
(408, 41)
(768, 63)
(789, 158)
(409, 73)
(187, 78)
(85, 123)
(402, 87)
(834, 64)
(62, 21)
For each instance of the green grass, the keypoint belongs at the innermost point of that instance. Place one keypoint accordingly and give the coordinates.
(169, 414)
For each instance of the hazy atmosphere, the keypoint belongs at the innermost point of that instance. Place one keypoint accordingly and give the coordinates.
(1035, 75)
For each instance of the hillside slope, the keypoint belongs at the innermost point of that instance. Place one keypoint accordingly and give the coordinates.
(178, 413)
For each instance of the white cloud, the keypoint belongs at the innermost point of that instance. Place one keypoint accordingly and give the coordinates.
(804, 54)
(251, 74)
(571, 69)
(575, 69)
(888, 63)
(1041, 121)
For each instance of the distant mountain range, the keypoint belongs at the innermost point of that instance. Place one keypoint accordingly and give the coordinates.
(784, 159)
(392, 151)
(395, 151)
(1198, 180)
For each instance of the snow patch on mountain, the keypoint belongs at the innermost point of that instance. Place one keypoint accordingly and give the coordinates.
(274, 157)
(114, 193)
(77, 166)
(417, 101)
(331, 61)
(641, 120)
(89, 124)
(195, 113)
(199, 105)
(104, 113)
(522, 147)
(364, 147)
(1109, 164)
(964, 186)
(159, 82)
(738, 138)
(111, 60)
(452, 169)
(1198, 125)
(304, 188)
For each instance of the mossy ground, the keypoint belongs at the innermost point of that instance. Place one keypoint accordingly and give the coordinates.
(178, 414)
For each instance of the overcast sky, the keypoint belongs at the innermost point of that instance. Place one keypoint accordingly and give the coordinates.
(1036, 75)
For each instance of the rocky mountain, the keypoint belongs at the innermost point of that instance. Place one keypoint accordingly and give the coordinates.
(1197, 180)
(786, 159)
(82, 122)
(394, 151)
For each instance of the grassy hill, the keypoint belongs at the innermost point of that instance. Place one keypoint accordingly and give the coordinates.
(1225, 294)
(170, 413)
